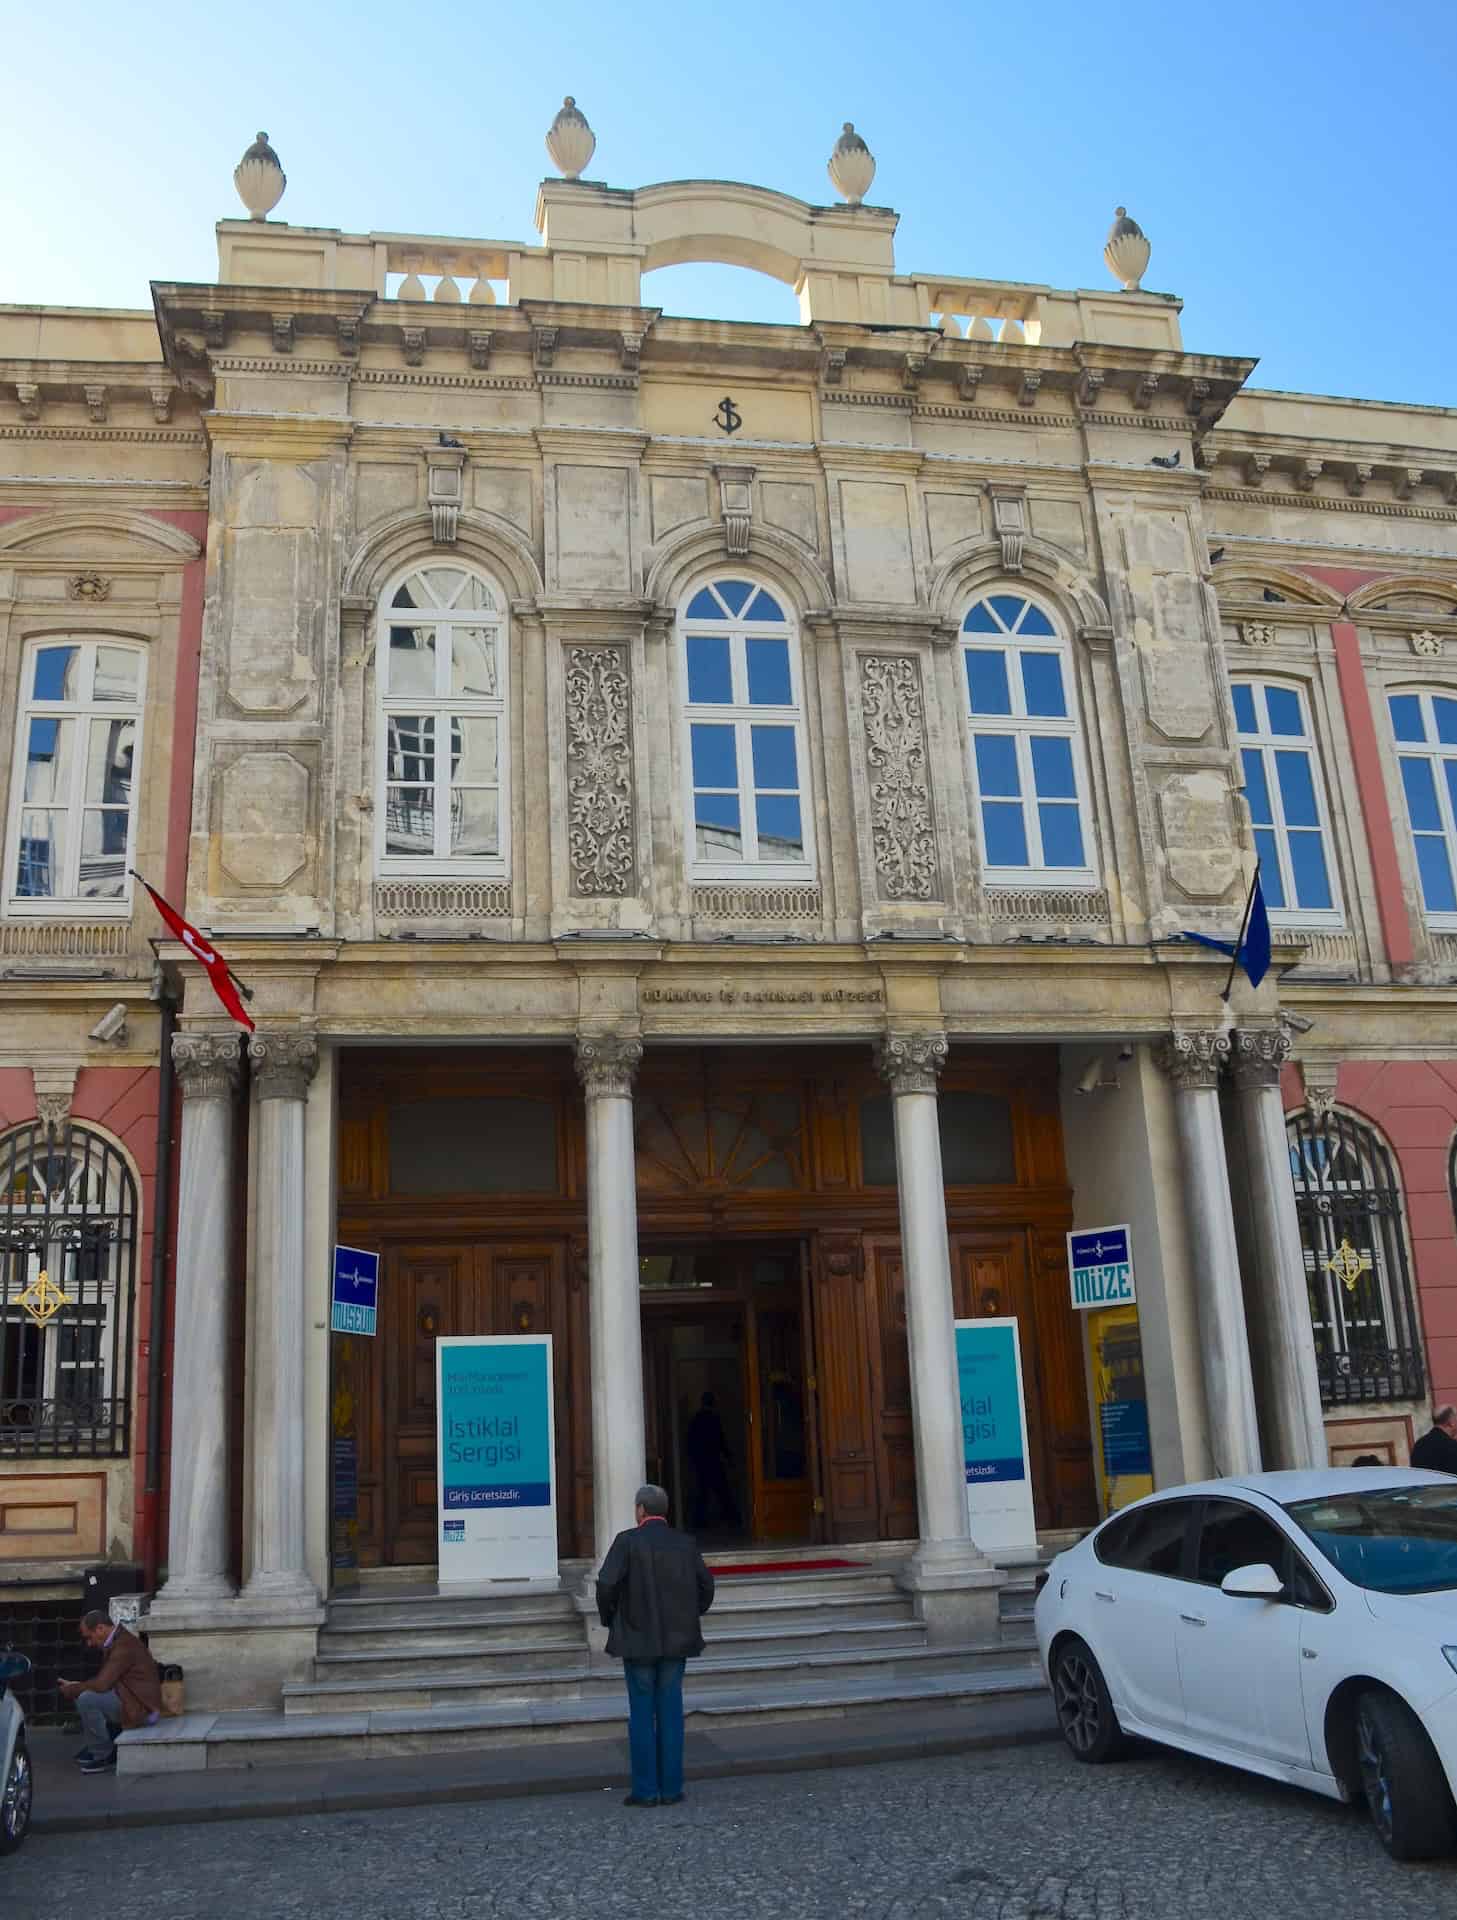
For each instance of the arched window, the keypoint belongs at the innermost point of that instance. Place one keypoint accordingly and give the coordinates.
(68, 1248)
(1027, 771)
(443, 743)
(1286, 798)
(1425, 728)
(72, 813)
(744, 746)
(1361, 1308)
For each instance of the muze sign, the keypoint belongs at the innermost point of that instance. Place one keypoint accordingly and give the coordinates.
(994, 1435)
(356, 1291)
(497, 1510)
(1100, 1263)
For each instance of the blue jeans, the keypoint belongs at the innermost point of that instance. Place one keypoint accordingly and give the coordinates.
(101, 1717)
(655, 1727)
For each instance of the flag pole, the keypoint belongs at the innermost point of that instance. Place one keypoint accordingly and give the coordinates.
(1244, 927)
(247, 992)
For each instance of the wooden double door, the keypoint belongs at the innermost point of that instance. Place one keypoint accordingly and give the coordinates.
(430, 1291)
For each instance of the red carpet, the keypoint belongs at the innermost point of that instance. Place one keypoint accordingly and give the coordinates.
(786, 1566)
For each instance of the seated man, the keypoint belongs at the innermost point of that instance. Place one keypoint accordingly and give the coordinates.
(127, 1692)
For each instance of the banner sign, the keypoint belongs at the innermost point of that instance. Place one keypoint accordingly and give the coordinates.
(994, 1435)
(497, 1511)
(1100, 1263)
(356, 1290)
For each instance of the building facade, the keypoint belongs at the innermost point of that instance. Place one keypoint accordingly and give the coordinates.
(706, 812)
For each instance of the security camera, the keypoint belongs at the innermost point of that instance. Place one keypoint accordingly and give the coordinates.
(1125, 1053)
(1091, 1077)
(111, 1025)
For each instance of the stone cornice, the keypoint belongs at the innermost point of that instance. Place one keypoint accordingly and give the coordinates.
(280, 435)
(1329, 503)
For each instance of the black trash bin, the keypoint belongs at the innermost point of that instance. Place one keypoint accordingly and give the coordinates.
(101, 1584)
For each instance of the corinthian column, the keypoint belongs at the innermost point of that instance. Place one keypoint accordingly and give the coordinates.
(1296, 1418)
(910, 1064)
(207, 1068)
(607, 1064)
(283, 1065)
(1192, 1058)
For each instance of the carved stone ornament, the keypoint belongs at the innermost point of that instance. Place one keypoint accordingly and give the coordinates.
(1257, 633)
(852, 166)
(446, 485)
(1126, 251)
(208, 1065)
(1259, 1056)
(88, 586)
(911, 1062)
(1319, 1078)
(570, 142)
(903, 837)
(283, 1064)
(607, 1064)
(27, 392)
(1192, 1056)
(599, 771)
(260, 179)
(1009, 516)
(1427, 643)
(736, 495)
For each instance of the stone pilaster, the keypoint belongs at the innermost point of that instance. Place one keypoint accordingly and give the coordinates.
(1192, 1058)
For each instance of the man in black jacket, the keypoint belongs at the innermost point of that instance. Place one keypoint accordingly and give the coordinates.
(1438, 1449)
(651, 1593)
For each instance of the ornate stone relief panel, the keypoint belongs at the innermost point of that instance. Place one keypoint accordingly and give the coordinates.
(903, 833)
(600, 827)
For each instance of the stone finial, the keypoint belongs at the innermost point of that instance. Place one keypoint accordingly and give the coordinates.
(852, 166)
(260, 179)
(570, 142)
(1126, 251)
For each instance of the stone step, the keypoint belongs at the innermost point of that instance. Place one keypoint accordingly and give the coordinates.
(481, 1629)
(407, 1666)
(253, 1739)
(430, 1607)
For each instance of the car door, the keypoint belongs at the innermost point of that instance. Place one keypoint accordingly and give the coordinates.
(1137, 1591)
(1239, 1658)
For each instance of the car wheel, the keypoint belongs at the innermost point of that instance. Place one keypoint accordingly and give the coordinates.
(15, 1799)
(1406, 1791)
(1084, 1705)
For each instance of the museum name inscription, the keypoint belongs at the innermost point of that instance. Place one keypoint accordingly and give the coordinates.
(762, 996)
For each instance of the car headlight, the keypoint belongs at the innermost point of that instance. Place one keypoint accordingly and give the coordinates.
(1451, 1657)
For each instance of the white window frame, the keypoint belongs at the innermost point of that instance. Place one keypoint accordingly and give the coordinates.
(1434, 752)
(749, 869)
(1267, 743)
(443, 706)
(72, 904)
(1022, 728)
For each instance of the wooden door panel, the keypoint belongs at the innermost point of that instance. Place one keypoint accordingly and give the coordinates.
(990, 1280)
(895, 1422)
(431, 1292)
(843, 1338)
(1069, 1449)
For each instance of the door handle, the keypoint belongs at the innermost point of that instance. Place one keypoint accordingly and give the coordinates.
(1193, 1619)
(1098, 1594)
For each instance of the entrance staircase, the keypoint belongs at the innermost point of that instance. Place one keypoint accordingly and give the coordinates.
(411, 1670)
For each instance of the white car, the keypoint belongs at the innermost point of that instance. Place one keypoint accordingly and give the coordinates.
(1302, 1625)
(15, 1777)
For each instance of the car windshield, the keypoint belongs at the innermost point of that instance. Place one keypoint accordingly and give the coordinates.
(1390, 1539)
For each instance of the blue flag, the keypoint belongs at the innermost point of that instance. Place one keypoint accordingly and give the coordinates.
(1253, 951)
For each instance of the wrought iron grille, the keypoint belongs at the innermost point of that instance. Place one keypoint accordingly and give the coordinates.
(1367, 1342)
(68, 1255)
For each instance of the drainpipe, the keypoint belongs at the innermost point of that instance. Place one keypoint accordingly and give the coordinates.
(151, 1504)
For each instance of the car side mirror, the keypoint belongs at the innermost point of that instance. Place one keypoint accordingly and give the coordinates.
(1257, 1582)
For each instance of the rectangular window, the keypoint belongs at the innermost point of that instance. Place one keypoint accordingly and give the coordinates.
(1283, 790)
(1425, 729)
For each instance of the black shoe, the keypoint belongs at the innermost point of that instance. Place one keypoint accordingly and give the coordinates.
(671, 1800)
(83, 1756)
(633, 1801)
(99, 1763)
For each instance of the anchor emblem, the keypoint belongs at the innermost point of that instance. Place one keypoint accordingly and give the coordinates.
(728, 419)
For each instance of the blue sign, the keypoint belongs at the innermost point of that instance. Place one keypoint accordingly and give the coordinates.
(1100, 1263)
(991, 1402)
(1126, 1447)
(495, 1425)
(356, 1291)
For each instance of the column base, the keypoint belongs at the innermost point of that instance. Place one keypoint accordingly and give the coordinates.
(279, 1592)
(190, 1595)
(239, 1652)
(955, 1591)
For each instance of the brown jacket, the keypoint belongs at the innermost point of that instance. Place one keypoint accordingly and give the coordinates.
(131, 1673)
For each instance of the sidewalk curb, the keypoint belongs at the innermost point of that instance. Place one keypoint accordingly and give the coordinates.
(366, 1798)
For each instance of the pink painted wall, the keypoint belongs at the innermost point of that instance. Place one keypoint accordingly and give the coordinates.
(1377, 805)
(1414, 1104)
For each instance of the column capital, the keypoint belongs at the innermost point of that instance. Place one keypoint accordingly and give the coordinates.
(207, 1065)
(607, 1064)
(1192, 1056)
(911, 1062)
(1259, 1056)
(283, 1064)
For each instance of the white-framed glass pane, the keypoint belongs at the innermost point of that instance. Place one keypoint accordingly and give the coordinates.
(777, 817)
(474, 596)
(986, 680)
(717, 830)
(710, 670)
(1406, 718)
(764, 606)
(475, 821)
(412, 663)
(48, 760)
(996, 765)
(1434, 864)
(473, 663)
(1042, 686)
(102, 874)
(1421, 795)
(715, 756)
(1282, 705)
(1244, 708)
(1272, 885)
(981, 620)
(474, 749)
(703, 606)
(1297, 788)
(1007, 607)
(411, 746)
(1062, 836)
(442, 584)
(1034, 620)
(109, 763)
(41, 858)
(1308, 871)
(768, 665)
(57, 674)
(1444, 712)
(734, 594)
(410, 821)
(118, 674)
(773, 756)
(1005, 833)
(1052, 768)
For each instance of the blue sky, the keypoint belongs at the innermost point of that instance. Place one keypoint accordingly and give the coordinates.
(1291, 164)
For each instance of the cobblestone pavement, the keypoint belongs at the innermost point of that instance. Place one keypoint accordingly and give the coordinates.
(1024, 1834)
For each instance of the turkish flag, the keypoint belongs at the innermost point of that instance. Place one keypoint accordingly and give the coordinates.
(212, 961)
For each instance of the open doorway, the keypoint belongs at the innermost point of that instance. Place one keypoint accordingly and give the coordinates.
(726, 1392)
